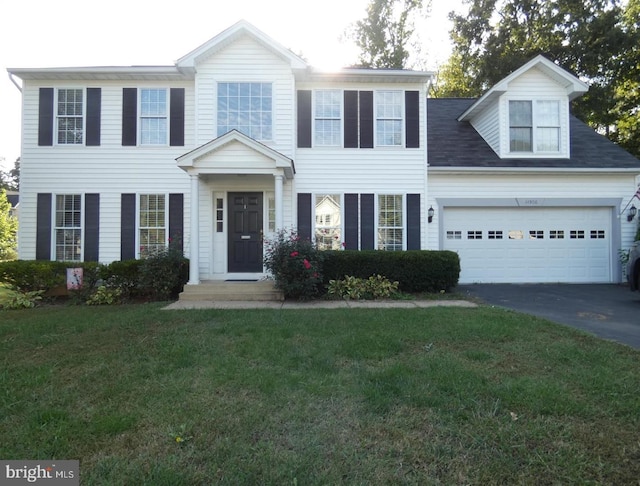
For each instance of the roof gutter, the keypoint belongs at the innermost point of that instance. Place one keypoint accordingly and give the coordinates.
(11, 77)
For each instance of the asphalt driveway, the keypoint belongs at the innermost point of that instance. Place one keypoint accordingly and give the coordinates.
(608, 311)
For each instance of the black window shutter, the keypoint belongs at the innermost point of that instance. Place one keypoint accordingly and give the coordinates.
(304, 119)
(176, 121)
(366, 119)
(45, 117)
(176, 221)
(304, 216)
(413, 221)
(128, 227)
(351, 220)
(412, 119)
(91, 227)
(94, 101)
(367, 218)
(43, 227)
(351, 119)
(129, 116)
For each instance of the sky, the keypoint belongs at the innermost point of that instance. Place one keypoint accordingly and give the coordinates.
(74, 33)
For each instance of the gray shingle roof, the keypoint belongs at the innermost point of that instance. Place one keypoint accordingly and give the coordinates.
(457, 144)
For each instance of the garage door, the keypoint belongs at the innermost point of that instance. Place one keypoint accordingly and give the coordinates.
(530, 244)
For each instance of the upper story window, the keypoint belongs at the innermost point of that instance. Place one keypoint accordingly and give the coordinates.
(70, 116)
(389, 120)
(153, 116)
(328, 108)
(534, 126)
(246, 107)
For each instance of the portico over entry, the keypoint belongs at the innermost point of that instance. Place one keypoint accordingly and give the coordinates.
(241, 171)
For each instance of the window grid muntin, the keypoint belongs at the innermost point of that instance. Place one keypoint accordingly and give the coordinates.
(70, 116)
(534, 127)
(390, 222)
(152, 224)
(68, 227)
(328, 117)
(389, 116)
(246, 107)
(153, 116)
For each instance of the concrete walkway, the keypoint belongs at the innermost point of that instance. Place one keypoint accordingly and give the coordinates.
(320, 304)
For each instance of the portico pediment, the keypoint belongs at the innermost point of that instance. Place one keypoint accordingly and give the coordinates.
(236, 153)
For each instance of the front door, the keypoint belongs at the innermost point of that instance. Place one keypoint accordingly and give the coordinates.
(245, 232)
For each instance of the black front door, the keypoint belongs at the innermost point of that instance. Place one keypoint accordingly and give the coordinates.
(245, 232)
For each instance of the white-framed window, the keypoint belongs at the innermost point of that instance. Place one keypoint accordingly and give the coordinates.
(534, 126)
(70, 116)
(328, 221)
(246, 107)
(152, 224)
(328, 117)
(390, 222)
(153, 116)
(68, 227)
(389, 117)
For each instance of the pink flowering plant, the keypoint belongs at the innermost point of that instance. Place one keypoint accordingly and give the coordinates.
(295, 264)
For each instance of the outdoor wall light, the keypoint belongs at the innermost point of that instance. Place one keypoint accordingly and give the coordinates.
(431, 212)
(632, 213)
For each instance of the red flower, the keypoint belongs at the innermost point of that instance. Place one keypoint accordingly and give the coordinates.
(306, 264)
(294, 254)
(315, 275)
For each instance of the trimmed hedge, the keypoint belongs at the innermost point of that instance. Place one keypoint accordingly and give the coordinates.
(415, 270)
(156, 278)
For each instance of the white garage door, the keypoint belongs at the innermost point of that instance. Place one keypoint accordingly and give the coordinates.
(530, 244)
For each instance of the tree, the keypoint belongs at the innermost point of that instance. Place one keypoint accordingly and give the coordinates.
(597, 40)
(10, 180)
(386, 33)
(8, 229)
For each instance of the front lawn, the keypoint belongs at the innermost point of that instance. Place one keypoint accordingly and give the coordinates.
(325, 396)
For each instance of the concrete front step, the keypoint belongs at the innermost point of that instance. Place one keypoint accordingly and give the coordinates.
(224, 291)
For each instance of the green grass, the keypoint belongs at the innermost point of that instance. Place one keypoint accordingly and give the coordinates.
(344, 396)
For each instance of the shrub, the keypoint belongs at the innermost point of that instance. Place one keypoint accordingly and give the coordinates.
(354, 288)
(415, 270)
(123, 275)
(22, 300)
(163, 274)
(105, 296)
(33, 275)
(296, 265)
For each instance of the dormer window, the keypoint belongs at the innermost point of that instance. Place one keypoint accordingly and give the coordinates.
(534, 126)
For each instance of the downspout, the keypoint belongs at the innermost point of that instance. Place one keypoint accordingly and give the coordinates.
(14, 82)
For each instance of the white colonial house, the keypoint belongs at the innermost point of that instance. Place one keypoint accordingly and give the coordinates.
(241, 137)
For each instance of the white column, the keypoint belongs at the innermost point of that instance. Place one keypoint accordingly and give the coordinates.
(279, 181)
(194, 247)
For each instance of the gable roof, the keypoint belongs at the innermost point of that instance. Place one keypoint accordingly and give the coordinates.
(279, 161)
(230, 35)
(573, 86)
(454, 143)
